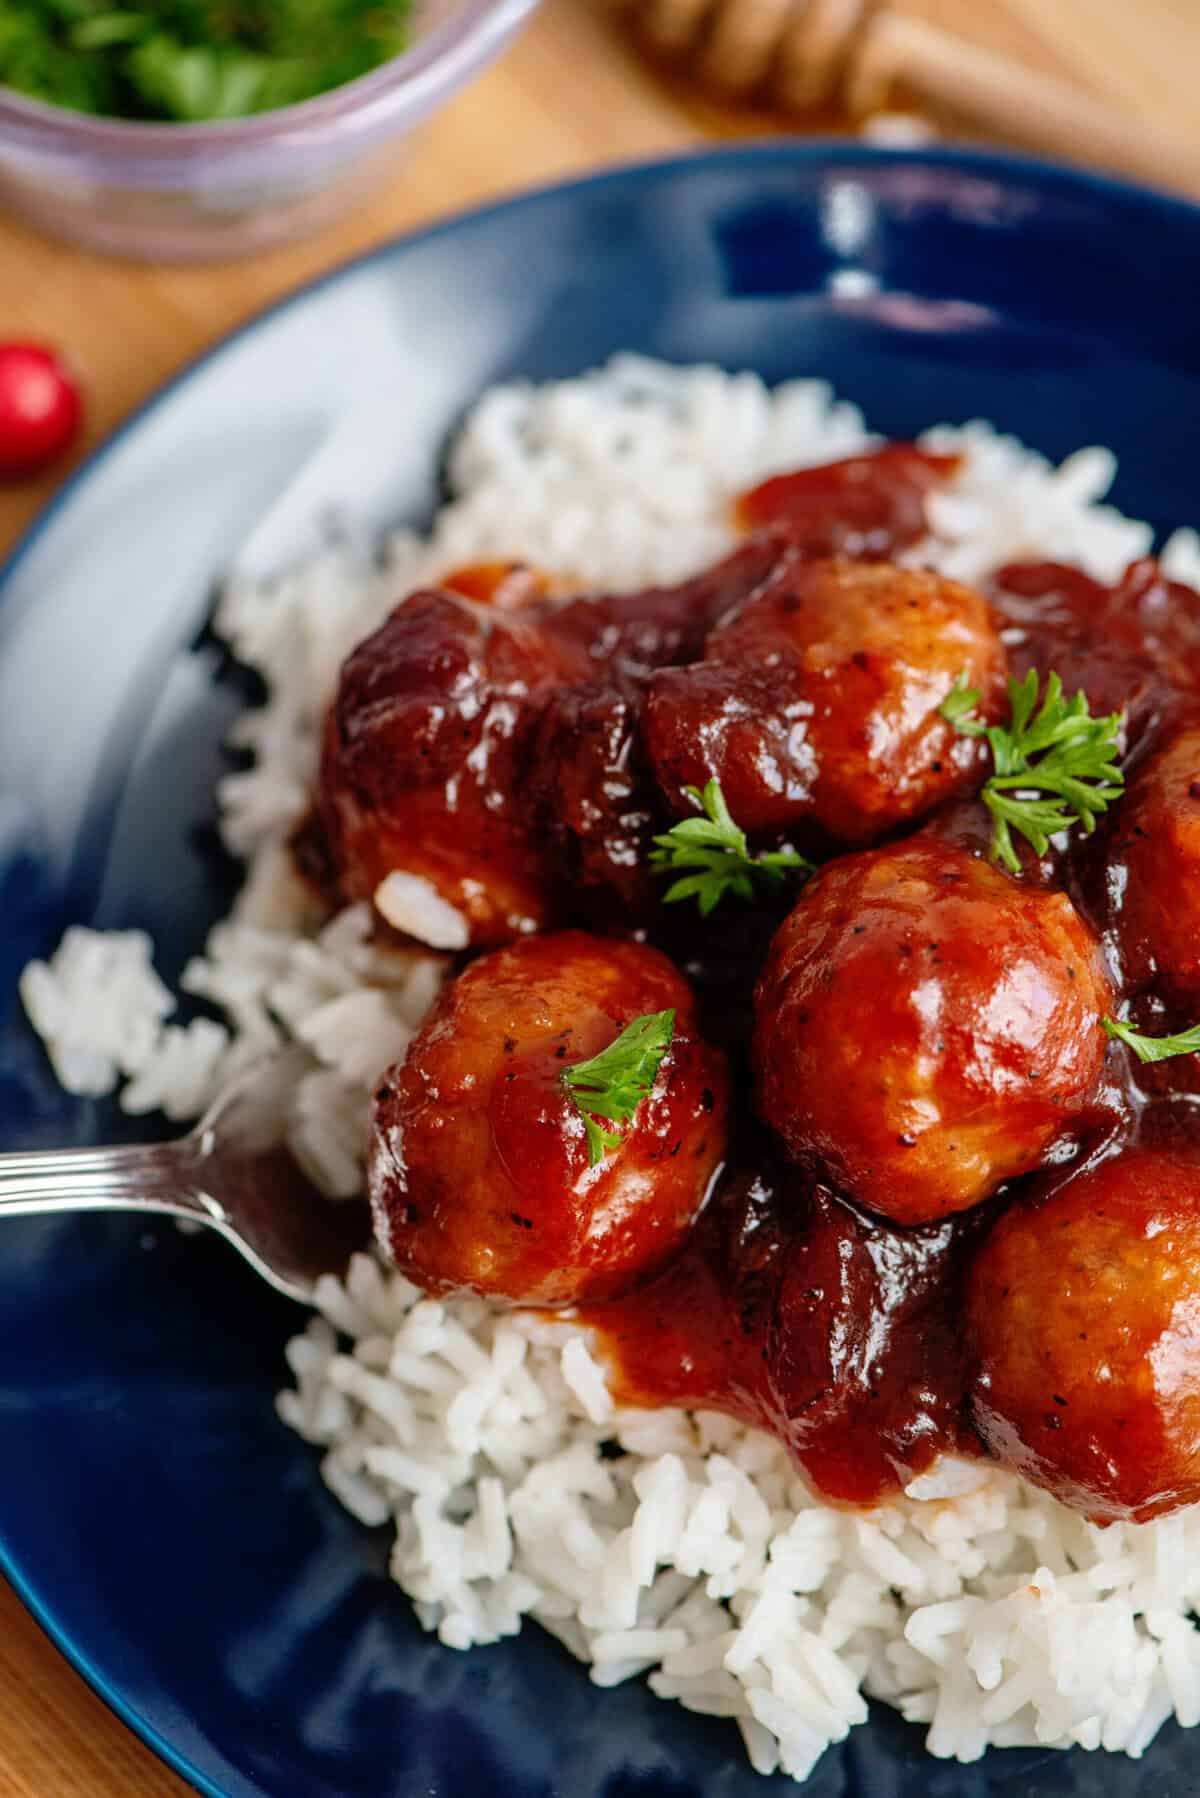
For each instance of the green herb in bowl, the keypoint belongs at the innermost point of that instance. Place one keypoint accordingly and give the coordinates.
(188, 61)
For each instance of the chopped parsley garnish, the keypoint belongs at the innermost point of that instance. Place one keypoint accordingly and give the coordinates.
(1153, 1048)
(187, 61)
(1052, 763)
(613, 1084)
(717, 850)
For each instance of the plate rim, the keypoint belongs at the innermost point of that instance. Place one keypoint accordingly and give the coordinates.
(1001, 165)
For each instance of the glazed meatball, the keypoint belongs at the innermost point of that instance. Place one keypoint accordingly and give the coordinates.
(1126, 646)
(1084, 1331)
(1154, 869)
(423, 753)
(634, 633)
(590, 791)
(927, 1027)
(592, 801)
(817, 700)
(480, 760)
(868, 505)
(478, 1167)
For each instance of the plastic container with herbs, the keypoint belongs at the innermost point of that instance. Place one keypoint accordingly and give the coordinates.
(211, 127)
(192, 61)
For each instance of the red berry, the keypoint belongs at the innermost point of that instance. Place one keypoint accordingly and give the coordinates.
(40, 408)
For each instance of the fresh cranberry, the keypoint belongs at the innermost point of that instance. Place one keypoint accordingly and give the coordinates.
(40, 408)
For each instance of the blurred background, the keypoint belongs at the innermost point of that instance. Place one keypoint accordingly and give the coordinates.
(159, 183)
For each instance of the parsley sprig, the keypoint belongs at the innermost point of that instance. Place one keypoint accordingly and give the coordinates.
(613, 1084)
(1153, 1048)
(1052, 763)
(185, 61)
(717, 849)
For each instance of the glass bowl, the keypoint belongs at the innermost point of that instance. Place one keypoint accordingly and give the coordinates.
(180, 192)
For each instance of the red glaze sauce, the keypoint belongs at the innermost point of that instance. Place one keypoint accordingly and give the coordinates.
(506, 585)
(792, 1310)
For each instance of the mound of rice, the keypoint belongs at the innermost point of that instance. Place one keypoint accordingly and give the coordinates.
(975, 1604)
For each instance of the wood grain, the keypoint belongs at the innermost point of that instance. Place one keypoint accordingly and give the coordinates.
(533, 118)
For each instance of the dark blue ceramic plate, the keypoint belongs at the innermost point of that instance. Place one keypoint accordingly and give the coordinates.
(172, 1536)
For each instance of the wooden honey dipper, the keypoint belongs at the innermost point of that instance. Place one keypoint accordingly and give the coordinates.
(804, 54)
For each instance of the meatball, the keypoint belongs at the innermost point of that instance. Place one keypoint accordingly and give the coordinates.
(1127, 646)
(661, 626)
(868, 505)
(1154, 868)
(478, 1168)
(593, 803)
(481, 758)
(927, 1027)
(817, 700)
(423, 755)
(1084, 1334)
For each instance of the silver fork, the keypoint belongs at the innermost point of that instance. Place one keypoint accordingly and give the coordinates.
(230, 1172)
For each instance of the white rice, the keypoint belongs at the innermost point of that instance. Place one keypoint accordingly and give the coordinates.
(975, 1604)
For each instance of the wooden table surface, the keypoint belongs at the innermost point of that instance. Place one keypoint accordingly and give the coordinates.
(531, 119)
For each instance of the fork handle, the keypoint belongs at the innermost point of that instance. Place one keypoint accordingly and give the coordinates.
(160, 1177)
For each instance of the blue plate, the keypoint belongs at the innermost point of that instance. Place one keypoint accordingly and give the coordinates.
(172, 1536)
